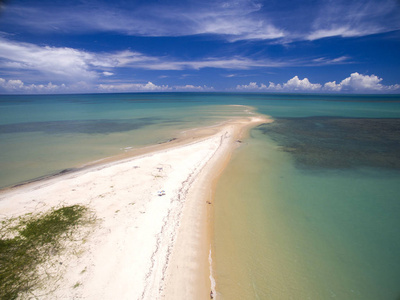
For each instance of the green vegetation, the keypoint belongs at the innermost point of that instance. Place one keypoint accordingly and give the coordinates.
(31, 240)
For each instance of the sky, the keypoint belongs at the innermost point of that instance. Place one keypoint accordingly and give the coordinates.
(94, 46)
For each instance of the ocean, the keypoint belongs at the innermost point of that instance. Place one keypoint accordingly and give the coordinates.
(42, 135)
(308, 208)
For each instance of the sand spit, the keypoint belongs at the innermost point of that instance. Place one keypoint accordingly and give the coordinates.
(151, 240)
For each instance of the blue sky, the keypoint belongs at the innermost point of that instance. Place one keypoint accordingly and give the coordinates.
(169, 45)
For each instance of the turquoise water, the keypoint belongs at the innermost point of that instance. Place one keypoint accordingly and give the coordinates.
(297, 214)
(309, 208)
(286, 233)
(42, 135)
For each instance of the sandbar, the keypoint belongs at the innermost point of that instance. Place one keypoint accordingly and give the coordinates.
(153, 206)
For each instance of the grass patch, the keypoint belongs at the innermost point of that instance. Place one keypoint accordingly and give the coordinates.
(31, 240)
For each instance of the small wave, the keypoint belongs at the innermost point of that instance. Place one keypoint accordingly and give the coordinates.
(126, 148)
(212, 279)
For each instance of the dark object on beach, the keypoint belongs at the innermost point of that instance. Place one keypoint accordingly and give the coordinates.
(338, 143)
(211, 295)
(208, 202)
(239, 141)
(66, 171)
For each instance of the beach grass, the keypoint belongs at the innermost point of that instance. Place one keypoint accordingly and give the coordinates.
(31, 240)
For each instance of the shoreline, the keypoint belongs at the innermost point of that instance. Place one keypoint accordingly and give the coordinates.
(182, 138)
(172, 261)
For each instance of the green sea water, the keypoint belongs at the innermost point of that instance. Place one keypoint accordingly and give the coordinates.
(308, 208)
(44, 134)
(311, 210)
(282, 233)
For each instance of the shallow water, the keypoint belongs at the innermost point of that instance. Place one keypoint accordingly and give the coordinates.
(309, 208)
(42, 135)
(286, 233)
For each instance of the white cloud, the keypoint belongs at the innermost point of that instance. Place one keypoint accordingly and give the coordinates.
(252, 86)
(237, 62)
(343, 31)
(230, 20)
(360, 83)
(133, 87)
(323, 61)
(355, 18)
(332, 86)
(17, 86)
(237, 20)
(295, 84)
(234, 20)
(60, 62)
(68, 64)
(355, 83)
(150, 87)
(190, 87)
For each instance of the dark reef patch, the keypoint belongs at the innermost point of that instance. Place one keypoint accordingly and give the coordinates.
(338, 143)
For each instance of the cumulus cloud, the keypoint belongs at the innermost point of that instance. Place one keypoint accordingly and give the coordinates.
(359, 83)
(151, 87)
(133, 87)
(355, 83)
(190, 87)
(253, 86)
(18, 86)
(295, 84)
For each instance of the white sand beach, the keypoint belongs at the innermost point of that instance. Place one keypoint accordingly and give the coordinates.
(151, 239)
